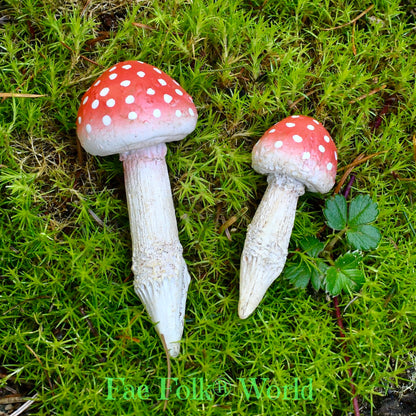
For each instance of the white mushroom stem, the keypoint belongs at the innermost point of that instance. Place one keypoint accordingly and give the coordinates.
(266, 246)
(161, 278)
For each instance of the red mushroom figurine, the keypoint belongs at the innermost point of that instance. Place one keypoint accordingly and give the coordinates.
(295, 153)
(133, 109)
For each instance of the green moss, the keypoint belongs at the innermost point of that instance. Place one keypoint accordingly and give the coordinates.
(69, 318)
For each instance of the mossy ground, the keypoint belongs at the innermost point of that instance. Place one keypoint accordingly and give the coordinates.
(69, 318)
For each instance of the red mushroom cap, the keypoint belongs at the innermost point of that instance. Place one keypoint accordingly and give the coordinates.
(133, 105)
(301, 148)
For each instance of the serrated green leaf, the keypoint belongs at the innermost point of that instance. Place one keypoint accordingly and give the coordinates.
(345, 275)
(312, 246)
(362, 211)
(318, 274)
(298, 275)
(335, 212)
(364, 237)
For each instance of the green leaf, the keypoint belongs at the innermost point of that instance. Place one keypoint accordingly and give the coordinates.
(312, 270)
(312, 246)
(362, 211)
(335, 212)
(365, 237)
(345, 275)
(298, 275)
(318, 274)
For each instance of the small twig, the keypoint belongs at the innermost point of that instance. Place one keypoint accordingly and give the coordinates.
(347, 173)
(12, 398)
(85, 7)
(349, 186)
(81, 56)
(24, 301)
(354, 49)
(361, 159)
(349, 168)
(143, 26)
(89, 323)
(353, 20)
(18, 95)
(165, 405)
(372, 92)
(96, 218)
(22, 408)
(41, 364)
(295, 103)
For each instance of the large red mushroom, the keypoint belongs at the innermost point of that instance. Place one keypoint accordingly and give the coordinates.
(133, 109)
(296, 153)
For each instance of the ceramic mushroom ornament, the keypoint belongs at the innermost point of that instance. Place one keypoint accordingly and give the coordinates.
(296, 153)
(133, 109)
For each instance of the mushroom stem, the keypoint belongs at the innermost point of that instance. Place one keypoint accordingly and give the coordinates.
(161, 278)
(266, 246)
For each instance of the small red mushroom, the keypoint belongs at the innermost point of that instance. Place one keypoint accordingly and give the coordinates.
(133, 109)
(295, 153)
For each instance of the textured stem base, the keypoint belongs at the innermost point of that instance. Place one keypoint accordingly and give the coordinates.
(266, 246)
(161, 278)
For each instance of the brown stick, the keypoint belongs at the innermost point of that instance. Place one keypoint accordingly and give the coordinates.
(372, 92)
(17, 95)
(353, 20)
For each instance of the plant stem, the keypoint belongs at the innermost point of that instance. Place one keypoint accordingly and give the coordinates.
(346, 357)
(335, 240)
(338, 312)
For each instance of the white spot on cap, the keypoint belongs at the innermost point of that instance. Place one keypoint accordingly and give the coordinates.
(88, 128)
(157, 70)
(306, 156)
(297, 138)
(178, 113)
(327, 139)
(97, 83)
(85, 100)
(162, 81)
(79, 120)
(157, 113)
(278, 144)
(129, 99)
(329, 166)
(113, 76)
(132, 115)
(126, 66)
(321, 148)
(125, 83)
(272, 130)
(179, 92)
(310, 127)
(150, 91)
(95, 104)
(112, 69)
(167, 98)
(106, 120)
(295, 116)
(110, 103)
(290, 124)
(335, 155)
(315, 121)
(141, 74)
(104, 91)
(191, 112)
(176, 82)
